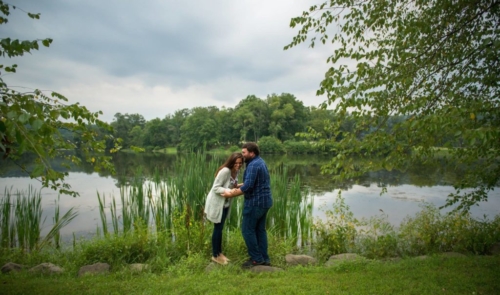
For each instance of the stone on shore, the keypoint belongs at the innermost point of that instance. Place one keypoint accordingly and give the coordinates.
(97, 268)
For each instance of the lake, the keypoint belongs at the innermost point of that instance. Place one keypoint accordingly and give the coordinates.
(405, 191)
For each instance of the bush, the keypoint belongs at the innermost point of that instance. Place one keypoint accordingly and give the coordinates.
(234, 148)
(270, 145)
(338, 233)
(298, 147)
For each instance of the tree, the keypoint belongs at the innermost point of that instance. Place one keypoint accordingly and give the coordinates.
(228, 134)
(251, 118)
(123, 125)
(200, 129)
(435, 63)
(174, 124)
(32, 122)
(156, 133)
(319, 121)
(288, 116)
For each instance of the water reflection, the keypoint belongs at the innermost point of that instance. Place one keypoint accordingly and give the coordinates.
(406, 190)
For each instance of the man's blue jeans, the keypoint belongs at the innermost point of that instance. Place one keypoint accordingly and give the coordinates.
(254, 233)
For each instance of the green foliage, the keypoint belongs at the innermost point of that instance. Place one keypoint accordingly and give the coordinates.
(251, 118)
(291, 214)
(377, 238)
(338, 233)
(270, 145)
(428, 232)
(31, 122)
(298, 147)
(199, 131)
(432, 63)
(190, 233)
(431, 232)
(21, 221)
(287, 116)
(117, 249)
(234, 148)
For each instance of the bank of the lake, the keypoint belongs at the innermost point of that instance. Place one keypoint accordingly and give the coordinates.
(435, 275)
(406, 192)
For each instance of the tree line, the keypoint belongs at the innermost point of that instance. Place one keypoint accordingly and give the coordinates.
(274, 120)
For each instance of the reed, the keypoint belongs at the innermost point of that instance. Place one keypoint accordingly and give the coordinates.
(22, 223)
(6, 226)
(157, 202)
(59, 223)
(28, 218)
(102, 213)
(291, 214)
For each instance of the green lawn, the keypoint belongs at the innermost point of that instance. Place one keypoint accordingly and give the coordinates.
(435, 275)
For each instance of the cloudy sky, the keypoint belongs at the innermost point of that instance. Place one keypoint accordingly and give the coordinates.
(154, 57)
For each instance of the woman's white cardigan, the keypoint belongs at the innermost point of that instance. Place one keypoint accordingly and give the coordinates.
(215, 202)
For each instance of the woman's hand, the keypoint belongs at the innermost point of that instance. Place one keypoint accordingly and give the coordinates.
(229, 193)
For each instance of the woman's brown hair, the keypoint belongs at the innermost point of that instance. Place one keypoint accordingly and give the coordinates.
(230, 162)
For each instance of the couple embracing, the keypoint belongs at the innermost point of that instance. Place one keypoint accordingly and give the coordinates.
(256, 188)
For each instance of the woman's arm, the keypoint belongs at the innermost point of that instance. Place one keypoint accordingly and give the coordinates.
(221, 179)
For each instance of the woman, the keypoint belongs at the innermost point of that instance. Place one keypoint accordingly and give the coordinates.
(217, 207)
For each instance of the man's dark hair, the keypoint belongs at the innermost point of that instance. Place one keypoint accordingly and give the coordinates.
(251, 147)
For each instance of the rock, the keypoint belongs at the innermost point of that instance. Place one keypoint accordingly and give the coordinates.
(46, 268)
(138, 267)
(212, 266)
(97, 268)
(335, 259)
(495, 249)
(392, 259)
(452, 254)
(11, 266)
(292, 259)
(264, 268)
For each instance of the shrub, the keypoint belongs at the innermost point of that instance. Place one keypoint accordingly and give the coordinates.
(298, 147)
(377, 238)
(270, 145)
(234, 148)
(338, 233)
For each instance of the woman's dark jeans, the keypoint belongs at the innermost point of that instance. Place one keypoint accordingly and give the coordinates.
(217, 234)
(254, 233)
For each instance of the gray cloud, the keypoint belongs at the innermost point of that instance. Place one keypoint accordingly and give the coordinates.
(155, 57)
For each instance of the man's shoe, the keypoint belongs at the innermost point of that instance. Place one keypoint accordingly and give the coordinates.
(267, 263)
(251, 263)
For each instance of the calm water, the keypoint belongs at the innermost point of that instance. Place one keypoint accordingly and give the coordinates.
(406, 191)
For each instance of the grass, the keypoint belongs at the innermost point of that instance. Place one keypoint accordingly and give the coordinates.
(168, 150)
(160, 223)
(435, 275)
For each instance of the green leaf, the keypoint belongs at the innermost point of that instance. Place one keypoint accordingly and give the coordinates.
(46, 42)
(38, 171)
(23, 118)
(11, 114)
(37, 124)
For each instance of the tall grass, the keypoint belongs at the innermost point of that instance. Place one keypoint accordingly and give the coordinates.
(428, 232)
(154, 202)
(21, 221)
(157, 202)
(291, 214)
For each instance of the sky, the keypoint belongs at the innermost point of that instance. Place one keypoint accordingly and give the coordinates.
(155, 57)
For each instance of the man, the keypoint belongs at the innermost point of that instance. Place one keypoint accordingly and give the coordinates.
(258, 199)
